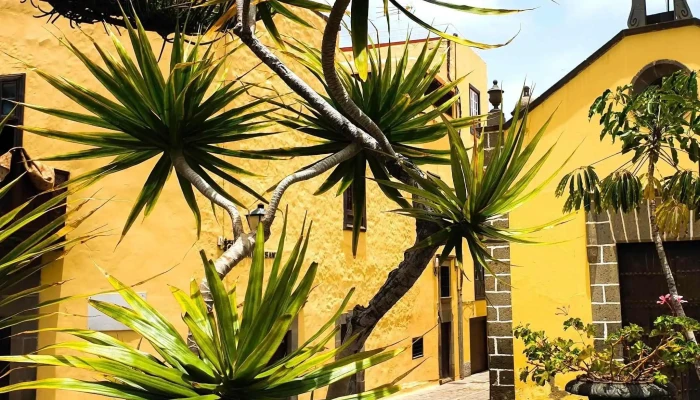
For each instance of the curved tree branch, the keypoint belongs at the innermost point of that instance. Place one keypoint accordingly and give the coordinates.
(401, 279)
(305, 91)
(246, 14)
(198, 182)
(243, 245)
(313, 171)
(335, 88)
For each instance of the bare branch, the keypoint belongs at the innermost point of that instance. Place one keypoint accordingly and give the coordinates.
(246, 14)
(335, 88)
(311, 172)
(305, 91)
(198, 182)
(243, 245)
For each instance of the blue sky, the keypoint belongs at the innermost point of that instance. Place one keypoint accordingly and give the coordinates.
(553, 39)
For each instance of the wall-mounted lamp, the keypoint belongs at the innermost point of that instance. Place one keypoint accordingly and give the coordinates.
(255, 216)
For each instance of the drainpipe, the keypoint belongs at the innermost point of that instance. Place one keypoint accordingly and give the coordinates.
(460, 303)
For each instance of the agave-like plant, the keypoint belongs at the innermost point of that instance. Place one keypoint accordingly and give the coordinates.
(397, 98)
(181, 115)
(481, 194)
(236, 349)
(165, 16)
(359, 22)
(22, 252)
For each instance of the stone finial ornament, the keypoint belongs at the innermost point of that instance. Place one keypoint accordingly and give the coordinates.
(681, 9)
(638, 14)
(496, 96)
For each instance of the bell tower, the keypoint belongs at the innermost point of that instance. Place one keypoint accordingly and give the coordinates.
(639, 17)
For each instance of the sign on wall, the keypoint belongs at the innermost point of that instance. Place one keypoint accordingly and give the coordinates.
(102, 323)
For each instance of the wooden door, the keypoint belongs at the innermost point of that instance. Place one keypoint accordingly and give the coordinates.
(445, 350)
(642, 282)
(478, 345)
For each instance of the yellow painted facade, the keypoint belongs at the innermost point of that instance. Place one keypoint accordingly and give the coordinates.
(166, 240)
(547, 278)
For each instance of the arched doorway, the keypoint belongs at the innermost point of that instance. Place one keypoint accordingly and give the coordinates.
(653, 73)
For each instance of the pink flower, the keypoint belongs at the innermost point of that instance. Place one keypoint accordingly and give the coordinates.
(680, 299)
(667, 299)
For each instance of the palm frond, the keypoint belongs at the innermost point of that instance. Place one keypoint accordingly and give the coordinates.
(481, 194)
(152, 114)
(24, 242)
(400, 96)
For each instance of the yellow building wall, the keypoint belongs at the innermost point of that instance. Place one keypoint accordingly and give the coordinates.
(547, 279)
(166, 241)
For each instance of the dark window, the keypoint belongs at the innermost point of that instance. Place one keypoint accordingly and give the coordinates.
(417, 348)
(357, 384)
(349, 212)
(343, 332)
(479, 282)
(283, 350)
(436, 85)
(445, 281)
(11, 90)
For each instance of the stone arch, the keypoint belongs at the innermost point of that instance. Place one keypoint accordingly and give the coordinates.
(653, 72)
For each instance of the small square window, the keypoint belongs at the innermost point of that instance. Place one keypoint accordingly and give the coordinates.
(479, 282)
(11, 91)
(417, 348)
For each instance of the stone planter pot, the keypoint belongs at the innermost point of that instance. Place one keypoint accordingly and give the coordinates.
(599, 391)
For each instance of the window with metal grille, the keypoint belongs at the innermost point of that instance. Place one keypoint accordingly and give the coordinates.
(445, 284)
(474, 106)
(474, 101)
(417, 347)
(11, 91)
(349, 212)
(479, 282)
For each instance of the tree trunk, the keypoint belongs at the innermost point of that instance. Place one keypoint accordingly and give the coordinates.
(665, 266)
(398, 283)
